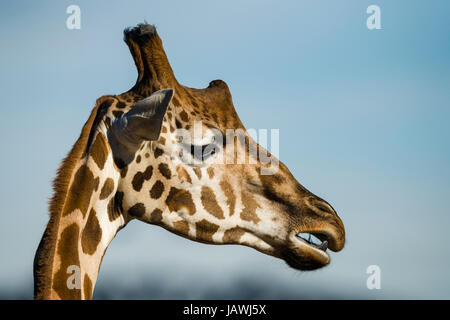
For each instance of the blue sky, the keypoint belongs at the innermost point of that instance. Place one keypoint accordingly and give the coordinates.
(363, 118)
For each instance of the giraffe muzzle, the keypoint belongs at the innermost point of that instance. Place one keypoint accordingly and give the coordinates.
(307, 248)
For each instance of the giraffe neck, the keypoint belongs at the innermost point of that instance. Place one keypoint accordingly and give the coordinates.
(84, 218)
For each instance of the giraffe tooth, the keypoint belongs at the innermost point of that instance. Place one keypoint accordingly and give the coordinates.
(324, 246)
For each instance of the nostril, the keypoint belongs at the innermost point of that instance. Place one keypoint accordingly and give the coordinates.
(324, 208)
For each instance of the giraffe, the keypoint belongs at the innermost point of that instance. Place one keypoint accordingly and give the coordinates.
(123, 168)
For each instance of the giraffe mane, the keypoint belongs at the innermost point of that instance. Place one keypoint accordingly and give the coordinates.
(43, 262)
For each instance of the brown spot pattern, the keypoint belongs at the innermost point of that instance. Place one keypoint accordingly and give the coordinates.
(141, 177)
(99, 151)
(175, 101)
(184, 116)
(165, 171)
(123, 172)
(107, 189)
(181, 226)
(87, 287)
(248, 213)
(92, 234)
(120, 105)
(229, 194)
(156, 216)
(210, 172)
(183, 174)
(158, 152)
(198, 172)
(205, 230)
(210, 204)
(138, 210)
(68, 252)
(80, 192)
(179, 199)
(233, 235)
(96, 183)
(115, 208)
(157, 190)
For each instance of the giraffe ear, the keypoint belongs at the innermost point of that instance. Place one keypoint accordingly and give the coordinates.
(144, 120)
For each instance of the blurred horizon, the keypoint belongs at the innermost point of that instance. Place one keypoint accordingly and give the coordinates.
(363, 118)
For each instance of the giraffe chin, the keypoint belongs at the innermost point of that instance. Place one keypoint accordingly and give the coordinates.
(303, 255)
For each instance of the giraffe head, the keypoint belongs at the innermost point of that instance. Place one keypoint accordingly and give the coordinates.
(189, 165)
(179, 158)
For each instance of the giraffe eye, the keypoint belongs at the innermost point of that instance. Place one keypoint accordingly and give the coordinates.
(202, 152)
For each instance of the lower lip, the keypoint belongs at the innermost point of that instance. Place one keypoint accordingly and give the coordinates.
(301, 244)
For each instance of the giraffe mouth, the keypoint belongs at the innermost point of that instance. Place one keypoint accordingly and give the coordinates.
(307, 250)
(314, 240)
